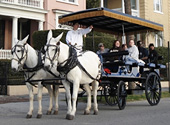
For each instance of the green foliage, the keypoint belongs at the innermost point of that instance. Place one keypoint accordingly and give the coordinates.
(162, 51)
(40, 37)
(92, 3)
(13, 78)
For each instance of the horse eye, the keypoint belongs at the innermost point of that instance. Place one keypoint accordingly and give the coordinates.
(18, 51)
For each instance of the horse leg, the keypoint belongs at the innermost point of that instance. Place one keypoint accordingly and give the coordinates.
(68, 96)
(31, 98)
(39, 97)
(74, 100)
(88, 91)
(56, 93)
(51, 99)
(95, 85)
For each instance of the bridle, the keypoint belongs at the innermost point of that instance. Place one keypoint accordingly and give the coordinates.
(47, 55)
(23, 49)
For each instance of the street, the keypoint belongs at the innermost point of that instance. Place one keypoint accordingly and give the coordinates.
(135, 113)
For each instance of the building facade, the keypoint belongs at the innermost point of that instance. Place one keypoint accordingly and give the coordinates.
(154, 10)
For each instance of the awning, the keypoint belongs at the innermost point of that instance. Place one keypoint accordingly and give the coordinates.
(111, 21)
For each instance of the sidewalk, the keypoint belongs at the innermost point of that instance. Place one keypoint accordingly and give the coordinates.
(165, 85)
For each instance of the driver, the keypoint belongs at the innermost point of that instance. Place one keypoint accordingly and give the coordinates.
(75, 37)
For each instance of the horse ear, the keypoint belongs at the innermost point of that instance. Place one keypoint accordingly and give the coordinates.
(59, 37)
(49, 36)
(25, 39)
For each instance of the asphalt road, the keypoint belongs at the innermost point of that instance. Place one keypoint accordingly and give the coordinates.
(135, 113)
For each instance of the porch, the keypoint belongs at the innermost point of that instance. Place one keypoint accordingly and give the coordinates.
(30, 3)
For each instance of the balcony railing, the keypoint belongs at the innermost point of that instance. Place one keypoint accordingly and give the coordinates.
(5, 54)
(134, 12)
(31, 3)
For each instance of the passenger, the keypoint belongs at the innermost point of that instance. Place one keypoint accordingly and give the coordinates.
(133, 52)
(102, 49)
(116, 46)
(153, 55)
(143, 52)
(124, 47)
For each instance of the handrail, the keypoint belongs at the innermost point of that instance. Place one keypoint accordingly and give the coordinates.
(5, 54)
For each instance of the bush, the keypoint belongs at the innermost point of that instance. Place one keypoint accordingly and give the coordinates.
(162, 51)
(40, 37)
(13, 78)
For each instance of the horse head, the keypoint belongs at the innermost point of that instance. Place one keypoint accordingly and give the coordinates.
(19, 54)
(52, 50)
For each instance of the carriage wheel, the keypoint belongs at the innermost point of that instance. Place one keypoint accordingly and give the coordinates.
(121, 95)
(110, 94)
(153, 89)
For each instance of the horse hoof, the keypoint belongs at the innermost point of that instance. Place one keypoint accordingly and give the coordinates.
(48, 113)
(55, 113)
(39, 116)
(86, 112)
(95, 112)
(69, 117)
(29, 116)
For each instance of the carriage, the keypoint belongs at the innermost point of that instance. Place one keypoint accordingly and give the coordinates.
(113, 83)
(76, 69)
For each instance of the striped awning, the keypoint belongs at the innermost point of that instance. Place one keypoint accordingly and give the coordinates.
(110, 21)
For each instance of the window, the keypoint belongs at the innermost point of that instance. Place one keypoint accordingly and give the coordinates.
(158, 5)
(158, 40)
(72, 1)
(69, 1)
(133, 4)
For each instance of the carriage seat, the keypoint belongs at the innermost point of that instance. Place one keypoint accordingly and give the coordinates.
(134, 64)
(114, 63)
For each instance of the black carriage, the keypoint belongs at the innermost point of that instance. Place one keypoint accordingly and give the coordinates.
(113, 82)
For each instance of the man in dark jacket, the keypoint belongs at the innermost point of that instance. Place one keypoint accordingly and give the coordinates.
(143, 52)
(153, 55)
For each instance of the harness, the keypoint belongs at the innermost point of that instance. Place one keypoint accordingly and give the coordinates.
(26, 69)
(71, 63)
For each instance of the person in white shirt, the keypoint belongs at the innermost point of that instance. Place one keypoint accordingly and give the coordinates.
(75, 37)
(133, 52)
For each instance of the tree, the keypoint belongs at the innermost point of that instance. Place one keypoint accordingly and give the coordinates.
(127, 4)
(92, 3)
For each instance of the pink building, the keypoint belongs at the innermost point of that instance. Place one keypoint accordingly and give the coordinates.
(19, 18)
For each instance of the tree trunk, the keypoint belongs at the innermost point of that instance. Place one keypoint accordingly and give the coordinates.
(127, 4)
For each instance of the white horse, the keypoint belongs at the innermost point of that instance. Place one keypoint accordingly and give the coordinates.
(24, 54)
(86, 71)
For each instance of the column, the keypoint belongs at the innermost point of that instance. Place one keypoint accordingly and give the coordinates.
(16, 1)
(56, 21)
(14, 30)
(40, 25)
(123, 6)
(41, 4)
(137, 7)
(101, 3)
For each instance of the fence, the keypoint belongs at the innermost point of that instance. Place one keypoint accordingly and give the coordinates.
(33, 3)
(5, 54)
(9, 77)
